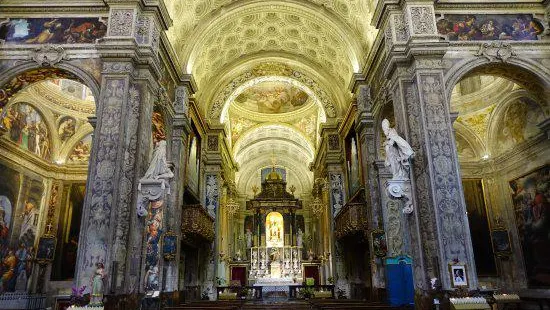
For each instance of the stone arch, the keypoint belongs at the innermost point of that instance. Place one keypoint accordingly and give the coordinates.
(73, 72)
(81, 133)
(219, 102)
(529, 74)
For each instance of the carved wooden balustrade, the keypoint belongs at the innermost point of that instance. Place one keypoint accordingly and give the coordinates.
(196, 222)
(352, 220)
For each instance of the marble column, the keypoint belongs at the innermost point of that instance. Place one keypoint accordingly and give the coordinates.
(178, 147)
(111, 233)
(438, 227)
(364, 124)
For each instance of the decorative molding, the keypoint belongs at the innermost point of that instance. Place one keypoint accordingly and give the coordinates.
(496, 51)
(49, 55)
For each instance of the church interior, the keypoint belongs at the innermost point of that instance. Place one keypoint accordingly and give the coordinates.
(297, 154)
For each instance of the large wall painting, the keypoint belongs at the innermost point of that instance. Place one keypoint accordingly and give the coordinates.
(475, 27)
(81, 151)
(20, 200)
(26, 128)
(531, 196)
(52, 30)
(272, 97)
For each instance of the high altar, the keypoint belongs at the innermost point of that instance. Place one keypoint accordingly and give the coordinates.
(274, 260)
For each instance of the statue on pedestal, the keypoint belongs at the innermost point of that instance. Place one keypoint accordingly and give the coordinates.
(398, 152)
(96, 298)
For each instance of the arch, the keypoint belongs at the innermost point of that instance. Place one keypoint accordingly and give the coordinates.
(234, 11)
(299, 140)
(270, 78)
(478, 147)
(73, 72)
(527, 69)
(69, 145)
(218, 105)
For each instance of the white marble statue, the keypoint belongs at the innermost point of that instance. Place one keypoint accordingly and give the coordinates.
(299, 237)
(158, 168)
(398, 152)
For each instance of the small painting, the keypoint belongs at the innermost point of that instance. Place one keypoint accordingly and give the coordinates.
(477, 27)
(459, 276)
(379, 246)
(52, 30)
(501, 242)
(46, 249)
(169, 245)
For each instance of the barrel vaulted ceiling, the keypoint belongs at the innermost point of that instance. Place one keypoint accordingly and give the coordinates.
(272, 72)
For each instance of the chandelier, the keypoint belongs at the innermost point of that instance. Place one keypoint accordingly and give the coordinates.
(232, 207)
(317, 206)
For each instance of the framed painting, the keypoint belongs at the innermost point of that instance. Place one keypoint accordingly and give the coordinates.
(501, 242)
(46, 249)
(459, 276)
(169, 245)
(379, 245)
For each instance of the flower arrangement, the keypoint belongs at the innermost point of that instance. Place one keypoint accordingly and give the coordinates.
(78, 298)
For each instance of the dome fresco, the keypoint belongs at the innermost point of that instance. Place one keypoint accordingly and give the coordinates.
(272, 98)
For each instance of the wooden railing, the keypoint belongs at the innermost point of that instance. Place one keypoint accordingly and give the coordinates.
(351, 220)
(196, 222)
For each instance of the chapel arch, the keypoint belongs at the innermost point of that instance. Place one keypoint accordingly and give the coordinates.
(500, 138)
(45, 113)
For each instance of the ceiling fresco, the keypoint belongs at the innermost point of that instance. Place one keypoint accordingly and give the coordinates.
(272, 98)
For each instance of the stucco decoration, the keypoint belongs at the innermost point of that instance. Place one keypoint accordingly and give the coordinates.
(335, 35)
(269, 72)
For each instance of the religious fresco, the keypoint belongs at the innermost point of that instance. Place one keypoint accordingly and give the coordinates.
(29, 77)
(272, 98)
(52, 30)
(475, 27)
(308, 125)
(477, 121)
(519, 123)
(280, 171)
(27, 128)
(19, 212)
(531, 196)
(81, 151)
(66, 128)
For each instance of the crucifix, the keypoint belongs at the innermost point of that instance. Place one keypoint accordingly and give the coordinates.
(49, 228)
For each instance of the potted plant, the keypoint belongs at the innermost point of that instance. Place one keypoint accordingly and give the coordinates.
(330, 280)
(306, 292)
(220, 281)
